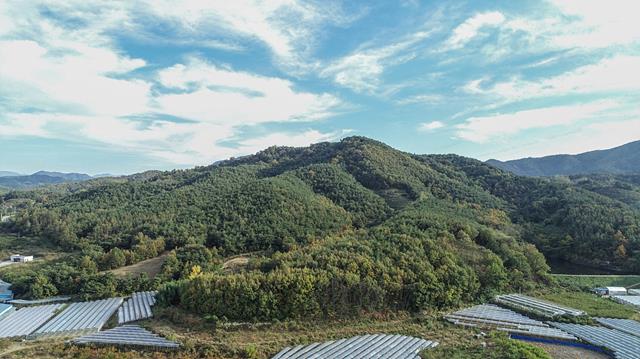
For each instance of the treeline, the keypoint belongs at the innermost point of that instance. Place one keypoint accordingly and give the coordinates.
(76, 276)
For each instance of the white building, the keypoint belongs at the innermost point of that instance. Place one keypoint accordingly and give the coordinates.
(611, 291)
(20, 258)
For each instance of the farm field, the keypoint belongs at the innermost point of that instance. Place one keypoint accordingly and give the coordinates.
(590, 303)
(204, 339)
(590, 281)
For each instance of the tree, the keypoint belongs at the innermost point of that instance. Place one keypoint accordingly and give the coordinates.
(42, 288)
(115, 258)
(88, 265)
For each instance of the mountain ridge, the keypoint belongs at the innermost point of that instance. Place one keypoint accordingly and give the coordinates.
(624, 159)
(41, 178)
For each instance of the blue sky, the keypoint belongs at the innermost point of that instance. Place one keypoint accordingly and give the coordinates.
(125, 86)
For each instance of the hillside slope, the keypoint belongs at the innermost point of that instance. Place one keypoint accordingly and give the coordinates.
(624, 159)
(332, 229)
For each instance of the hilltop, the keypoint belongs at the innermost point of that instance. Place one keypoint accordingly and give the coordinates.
(624, 159)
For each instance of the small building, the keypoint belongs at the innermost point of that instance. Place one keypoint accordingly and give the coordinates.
(609, 291)
(6, 293)
(21, 258)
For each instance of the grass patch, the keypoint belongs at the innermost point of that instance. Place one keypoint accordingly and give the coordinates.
(590, 303)
(395, 198)
(150, 267)
(588, 282)
(497, 345)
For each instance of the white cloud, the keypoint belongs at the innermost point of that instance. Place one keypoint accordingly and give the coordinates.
(430, 126)
(362, 69)
(74, 83)
(471, 28)
(615, 74)
(421, 99)
(17, 128)
(595, 24)
(583, 139)
(224, 96)
(79, 79)
(555, 25)
(485, 128)
(287, 27)
(188, 143)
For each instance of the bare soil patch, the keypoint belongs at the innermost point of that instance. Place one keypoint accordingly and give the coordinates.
(567, 352)
(235, 265)
(150, 266)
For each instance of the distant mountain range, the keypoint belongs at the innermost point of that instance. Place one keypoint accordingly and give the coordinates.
(624, 159)
(14, 180)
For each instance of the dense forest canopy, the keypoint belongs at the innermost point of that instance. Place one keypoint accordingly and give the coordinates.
(330, 230)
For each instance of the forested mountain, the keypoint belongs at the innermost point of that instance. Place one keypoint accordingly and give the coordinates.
(9, 174)
(40, 178)
(624, 188)
(67, 176)
(330, 230)
(619, 160)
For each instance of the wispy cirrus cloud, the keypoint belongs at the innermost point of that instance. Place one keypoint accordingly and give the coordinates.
(421, 99)
(484, 128)
(362, 69)
(430, 126)
(603, 67)
(289, 28)
(596, 24)
(216, 95)
(585, 138)
(619, 73)
(472, 28)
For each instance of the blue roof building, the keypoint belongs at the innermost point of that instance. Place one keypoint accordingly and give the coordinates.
(6, 294)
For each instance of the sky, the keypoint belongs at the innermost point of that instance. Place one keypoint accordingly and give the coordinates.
(127, 86)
